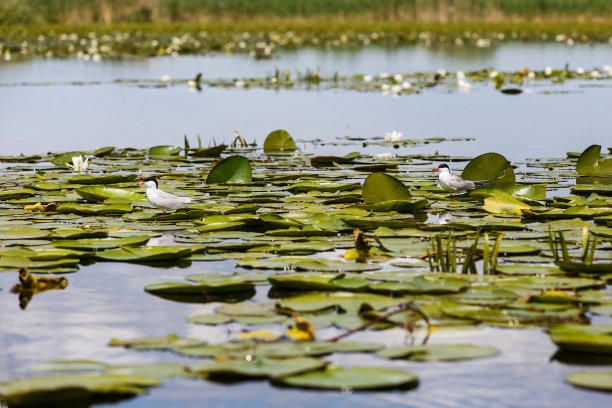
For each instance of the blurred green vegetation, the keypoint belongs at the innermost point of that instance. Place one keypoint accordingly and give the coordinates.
(116, 11)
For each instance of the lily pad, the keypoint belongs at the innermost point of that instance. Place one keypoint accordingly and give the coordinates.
(504, 204)
(94, 244)
(590, 164)
(380, 187)
(23, 233)
(98, 194)
(164, 150)
(347, 301)
(438, 352)
(144, 254)
(73, 389)
(595, 380)
(278, 141)
(354, 378)
(490, 166)
(320, 161)
(580, 338)
(60, 160)
(233, 169)
(259, 368)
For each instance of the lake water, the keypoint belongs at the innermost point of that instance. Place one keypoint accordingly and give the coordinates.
(107, 300)
(60, 116)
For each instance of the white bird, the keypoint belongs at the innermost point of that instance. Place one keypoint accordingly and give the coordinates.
(455, 184)
(163, 200)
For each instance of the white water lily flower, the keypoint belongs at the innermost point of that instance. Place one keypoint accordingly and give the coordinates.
(384, 155)
(493, 74)
(580, 70)
(531, 75)
(385, 87)
(595, 74)
(393, 136)
(464, 86)
(396, 89)
(78, 164)
(165, 78)
(398, 77)
(239, 83)
(460, 76)
(548, 71)
(607, 69)
(406, 85)
(367, 78)
(441, 72)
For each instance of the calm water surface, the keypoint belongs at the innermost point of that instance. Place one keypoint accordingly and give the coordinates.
(107, 300)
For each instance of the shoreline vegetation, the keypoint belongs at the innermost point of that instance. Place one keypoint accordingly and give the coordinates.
(36, 12)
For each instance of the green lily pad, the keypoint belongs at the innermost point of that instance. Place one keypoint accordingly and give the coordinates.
(347, 301)
(213, 151)
(380, 187)
(278, 141)
(155, 343)
(594, 380)
(164, 150)
(583, 267)
(490, 166)
(601, 310)
(511, 317)
(214, 287)
(94, 244)
(580, 338)
(233, 169)
(299, 263)
(113, 209)
(23, 233)
(103, 151)
(517, 190)
(12, 194)
(259, 368)
(98, 194)
(60, 160)
(67, 390)
(304, 281)
(436, 285)
(539, 270)
(438, 352)
(320, 161)
(212, 319)
(107, 179)
(158, 371)
(590, 164)
(504, 204)
(354, 378)
(398, 205)
(144, 254)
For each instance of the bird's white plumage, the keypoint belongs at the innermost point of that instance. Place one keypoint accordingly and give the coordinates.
(453, 183)
(164, 200)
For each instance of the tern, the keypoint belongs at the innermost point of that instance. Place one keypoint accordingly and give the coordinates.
(455, 184)
(163, 200)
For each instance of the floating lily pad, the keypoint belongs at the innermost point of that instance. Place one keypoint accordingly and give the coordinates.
(73, 389)
(490, 166)
(595, 380)
(60, 160)
(350, 302)
(259, 368)
(213, 287)
(590, 164)
(278, 141)
(305, 264)
(354, 378)
(157, 371)
(144, 254)
(107, 179)
(579, 338)
(113, 209)
(98, 194)
(94, 244)
(439, 352)
(503, 204)
(320, 161)
(380, 187)
(213, 151)
(164, 150)
(233, 169)
(23, 233)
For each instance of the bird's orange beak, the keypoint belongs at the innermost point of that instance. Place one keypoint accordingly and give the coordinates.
(141, 183)
(437, 168)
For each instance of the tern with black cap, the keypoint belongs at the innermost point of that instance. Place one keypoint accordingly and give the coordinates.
(455, 184)
(163, 200)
